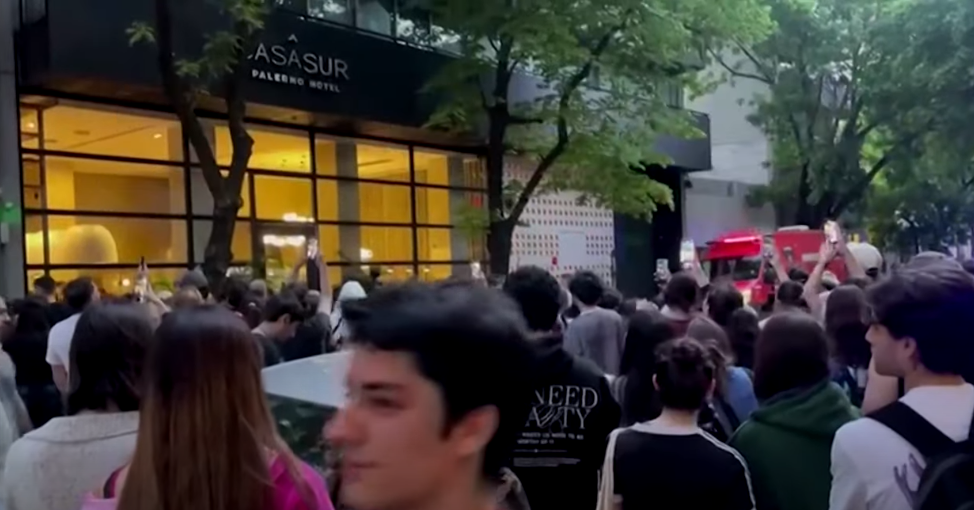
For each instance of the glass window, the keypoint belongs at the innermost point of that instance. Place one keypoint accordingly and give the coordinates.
(436, 244)
(34, 239)
(283, 198)
(103, 240)
(385, 244)
(383, 163)
(274, 148)
(240, 246)
(121, 281)
(399, 273)
(326, 159)
(328, 199)
(29, 134)
(435, 206)
(375, 16)
(383, 203)
(445, 169)
(75, 184)
(98, 129)
(413, 22)
(331, 10)
(33, 190)
(329, 242)
(436, 272)
(202, 199)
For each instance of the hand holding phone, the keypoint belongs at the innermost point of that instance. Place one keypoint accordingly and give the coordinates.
(313, 248)
(142, 281)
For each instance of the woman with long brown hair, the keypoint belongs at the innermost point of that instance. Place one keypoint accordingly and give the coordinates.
(206, 437)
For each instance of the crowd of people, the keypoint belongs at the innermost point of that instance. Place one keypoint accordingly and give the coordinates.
(534, 393)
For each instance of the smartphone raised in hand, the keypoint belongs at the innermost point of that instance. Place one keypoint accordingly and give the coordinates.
(142, 281)
(313, 248)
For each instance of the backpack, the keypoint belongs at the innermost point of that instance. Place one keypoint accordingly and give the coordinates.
(947, 482)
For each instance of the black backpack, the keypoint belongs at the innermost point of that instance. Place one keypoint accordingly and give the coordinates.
(947, 482)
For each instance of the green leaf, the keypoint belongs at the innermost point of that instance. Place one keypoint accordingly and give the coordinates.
(140, 31)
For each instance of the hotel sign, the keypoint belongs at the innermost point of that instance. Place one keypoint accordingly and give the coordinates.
(287, 65)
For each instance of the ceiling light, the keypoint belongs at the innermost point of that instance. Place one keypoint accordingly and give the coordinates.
(31, 125)
(157, 136)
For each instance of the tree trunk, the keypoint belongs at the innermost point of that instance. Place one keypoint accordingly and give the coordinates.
(499, 243)
(218, 255)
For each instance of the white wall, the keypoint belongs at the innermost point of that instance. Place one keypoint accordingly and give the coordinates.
(715, 199)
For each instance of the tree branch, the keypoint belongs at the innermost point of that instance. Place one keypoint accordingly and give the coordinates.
(860, 187)
(735, 72)
(563, 137)
(180, 95)
(757, 63)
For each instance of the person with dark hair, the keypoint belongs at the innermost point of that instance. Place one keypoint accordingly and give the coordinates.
(207, 439)
(722, 301)
(282, 314)
(53, 467)
(799, 414)
(846, 323)
(611, 299)
(733, 397)
(918, 332)
(27, 347)
(670, 461)
(558, 462)
(742, 330)
(45, 289)
(195, 279)
(436, 396)
(597, 334)
(78, 293)
(634, 388)
(680, 301)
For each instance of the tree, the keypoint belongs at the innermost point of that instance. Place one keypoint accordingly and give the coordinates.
(843, 103)
(595, 73)
(220, 68)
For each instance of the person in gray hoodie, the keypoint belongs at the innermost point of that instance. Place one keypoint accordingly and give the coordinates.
(597, 334)
(55, 466)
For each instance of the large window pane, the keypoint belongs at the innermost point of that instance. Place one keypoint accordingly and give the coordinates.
(382, 162)
(436, 272)
(106, 240)
(384, 203)
(326, 156)
(413, 22)
(34, 239)
(331, 10)
(435, 206)
(118, 282)
(436, 244)
(99, 129)
(75, 184)
(33, 189)
(386, 244)
(29, 134)
(328, 199)
(274, 148)
(375, 16)
(447, 169)
(329, 242)
(283, 198)
(240, 246)
(203, 200)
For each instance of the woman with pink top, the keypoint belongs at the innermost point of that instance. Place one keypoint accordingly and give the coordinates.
(206, 438)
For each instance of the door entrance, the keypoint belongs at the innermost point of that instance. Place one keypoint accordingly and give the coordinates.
(281, 248)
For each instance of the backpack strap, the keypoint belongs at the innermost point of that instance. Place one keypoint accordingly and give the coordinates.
(912, 427)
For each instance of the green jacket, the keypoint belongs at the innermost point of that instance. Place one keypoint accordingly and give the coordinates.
(787, 444)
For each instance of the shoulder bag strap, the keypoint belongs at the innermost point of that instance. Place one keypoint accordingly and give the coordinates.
(912, 427)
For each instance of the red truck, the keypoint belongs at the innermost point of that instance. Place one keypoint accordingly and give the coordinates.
(741, 258)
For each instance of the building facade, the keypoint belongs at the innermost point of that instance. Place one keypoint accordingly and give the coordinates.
(716, 200)
(103, 175)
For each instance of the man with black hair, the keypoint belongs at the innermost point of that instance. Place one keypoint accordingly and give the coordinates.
(680, 298)
(45, 289)
(282, 314)
(560, 448)
(596, 334)
(78, 294)
(921, 319)
(436, 397)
